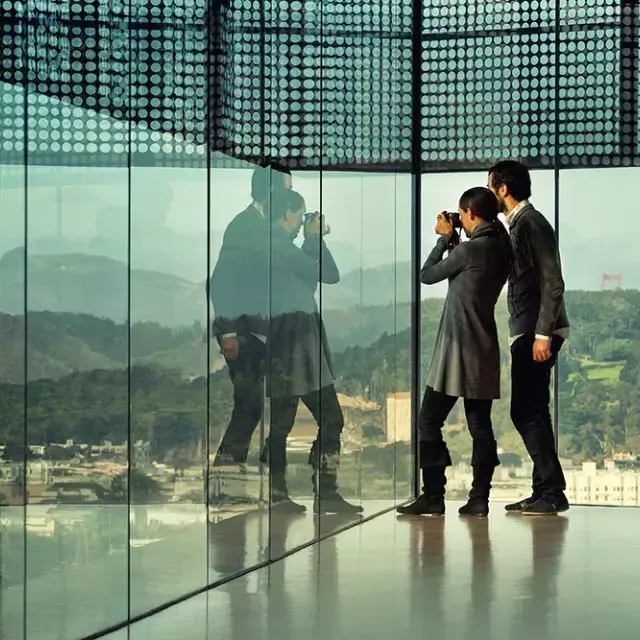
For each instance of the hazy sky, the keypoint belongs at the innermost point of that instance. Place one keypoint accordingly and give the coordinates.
(368, 212)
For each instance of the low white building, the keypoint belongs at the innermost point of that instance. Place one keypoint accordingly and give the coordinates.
(611, 487)
(398, 412)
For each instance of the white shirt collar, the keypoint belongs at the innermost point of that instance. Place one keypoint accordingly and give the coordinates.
(513, 214)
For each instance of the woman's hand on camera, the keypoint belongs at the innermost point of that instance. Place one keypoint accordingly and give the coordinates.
(316, 226)
(443, 225)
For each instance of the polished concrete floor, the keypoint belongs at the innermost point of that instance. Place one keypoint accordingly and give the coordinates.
(506, 577)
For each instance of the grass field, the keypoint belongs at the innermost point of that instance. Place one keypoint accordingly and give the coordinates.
(607, 372)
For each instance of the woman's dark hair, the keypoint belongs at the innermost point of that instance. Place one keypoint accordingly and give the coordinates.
(481, 201)
(514, 175)
(484, 204)
(283, 200)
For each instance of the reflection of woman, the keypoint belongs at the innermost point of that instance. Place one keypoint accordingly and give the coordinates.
(298, 357)
(466, 359)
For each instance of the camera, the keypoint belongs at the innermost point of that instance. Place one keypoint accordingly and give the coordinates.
(453, 217)
(308, 216)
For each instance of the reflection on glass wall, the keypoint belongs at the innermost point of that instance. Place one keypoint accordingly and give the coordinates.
(152, 460)
(13, 459)
(168, 384)
(200, 398)
(76, 402)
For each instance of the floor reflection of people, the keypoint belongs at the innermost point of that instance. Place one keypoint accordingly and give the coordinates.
(534, 615)
(230, 555)
(427, 579)
(319, 582)
(482, 580)
(300, 365)
(239, 291)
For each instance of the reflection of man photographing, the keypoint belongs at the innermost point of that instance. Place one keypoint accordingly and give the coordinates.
(240, 296)
(466, 358)
(538, 326)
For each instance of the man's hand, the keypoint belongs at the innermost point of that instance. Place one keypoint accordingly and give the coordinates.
(443, 226)
(230, 347)
(541, 350)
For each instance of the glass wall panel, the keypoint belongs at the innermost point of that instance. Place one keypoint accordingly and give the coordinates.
(398, 408)
(168, 403)
(598, 377)
(377, 320)
(298, 377)
(239, 266)
(77, 394)
(512, 479)
(15, 460)
(359, 315)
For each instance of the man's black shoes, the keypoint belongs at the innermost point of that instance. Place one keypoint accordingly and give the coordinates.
(546, 507)
(477, 507)
(425, 505)
(519, 507)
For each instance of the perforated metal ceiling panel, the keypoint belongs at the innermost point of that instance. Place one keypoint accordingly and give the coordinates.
(95, 79)
(321, 84)
(545, 81)
(315, 84)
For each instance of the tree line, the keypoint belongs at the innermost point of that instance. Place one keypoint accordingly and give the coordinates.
(598, 379)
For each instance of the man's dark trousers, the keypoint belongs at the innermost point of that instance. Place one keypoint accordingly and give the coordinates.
(247, 376)
(530, 398)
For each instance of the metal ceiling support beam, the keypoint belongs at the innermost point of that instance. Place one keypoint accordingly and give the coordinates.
(629, 68)
(416, 229)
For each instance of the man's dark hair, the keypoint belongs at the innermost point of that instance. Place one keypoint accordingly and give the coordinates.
(481, 201)
(284, 200)
(514, 175)
(266, 178)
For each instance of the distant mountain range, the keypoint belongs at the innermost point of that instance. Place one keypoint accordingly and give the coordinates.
(379, 286)
(98, 286)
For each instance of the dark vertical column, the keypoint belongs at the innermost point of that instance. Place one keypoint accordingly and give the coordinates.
(416, 190)
(629, 68)
(209, 105)
(556, 187)
(130, 451)
(219, 60)
(25, 32)
(263, 103)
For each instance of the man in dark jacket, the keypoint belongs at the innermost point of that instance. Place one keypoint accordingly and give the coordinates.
(239, 291)
(538, 325)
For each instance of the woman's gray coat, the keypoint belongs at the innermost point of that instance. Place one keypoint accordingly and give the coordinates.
(466, 357)
(298, 355)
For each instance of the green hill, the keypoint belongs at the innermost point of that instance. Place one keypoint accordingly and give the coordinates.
(62, 343)
(598, 373)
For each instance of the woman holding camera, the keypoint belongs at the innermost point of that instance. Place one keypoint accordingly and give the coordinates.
(299, 364)
(466, 358)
